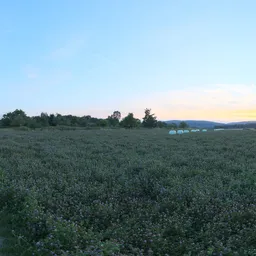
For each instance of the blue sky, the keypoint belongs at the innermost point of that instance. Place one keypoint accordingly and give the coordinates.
(183, 59)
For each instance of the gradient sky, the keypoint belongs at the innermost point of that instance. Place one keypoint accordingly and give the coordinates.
(184, 59)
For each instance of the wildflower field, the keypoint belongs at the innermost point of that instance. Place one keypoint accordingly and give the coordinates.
(128, 192)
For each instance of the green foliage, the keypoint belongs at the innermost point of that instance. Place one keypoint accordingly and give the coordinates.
(172, 126)
(18, 118)
(130, 121)
(14, 119)
(44, 119)
(33, 124)
(149, 120)
(21, 128)
(114, 119)
(129, 192)
(183, 125)
(161, 124)
(103, 123)
(138, 123)
(116, 115)
(52, 120)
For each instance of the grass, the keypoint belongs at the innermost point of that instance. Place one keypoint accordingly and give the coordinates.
(129, 192)
(11, 243)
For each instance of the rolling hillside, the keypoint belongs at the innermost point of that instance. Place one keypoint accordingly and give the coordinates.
(209, 124)
(196, 123)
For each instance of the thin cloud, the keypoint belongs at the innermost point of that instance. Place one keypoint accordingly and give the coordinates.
(30, 72)
(68, 50)
(32, 75)
(58, 77)
(48, 81)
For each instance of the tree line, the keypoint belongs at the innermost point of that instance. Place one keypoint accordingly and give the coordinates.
(248, 125)
(19, 118)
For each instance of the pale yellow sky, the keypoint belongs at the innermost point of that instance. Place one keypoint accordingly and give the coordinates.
(214, 102)
(222, 102)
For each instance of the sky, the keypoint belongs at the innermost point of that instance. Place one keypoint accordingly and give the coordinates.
(184, 59)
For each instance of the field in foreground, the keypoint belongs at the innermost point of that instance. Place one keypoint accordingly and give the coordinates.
(129, 192)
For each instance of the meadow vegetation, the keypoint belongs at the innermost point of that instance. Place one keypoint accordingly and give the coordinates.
(129, 192)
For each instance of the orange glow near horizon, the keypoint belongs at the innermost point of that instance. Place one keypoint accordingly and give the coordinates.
(222, 115)
(210, 114)
(221, 103)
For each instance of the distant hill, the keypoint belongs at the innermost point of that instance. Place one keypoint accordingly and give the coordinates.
(245, 124)
(197, 123)
(209, 124)
(242, 123)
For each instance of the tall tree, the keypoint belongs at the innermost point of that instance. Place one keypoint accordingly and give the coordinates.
(129, 121)
(44, 119)
(183, 125)
(149, 120)
(117, 115)
(138, 122)
(114, 119)
(52, 120)
(15, 118)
